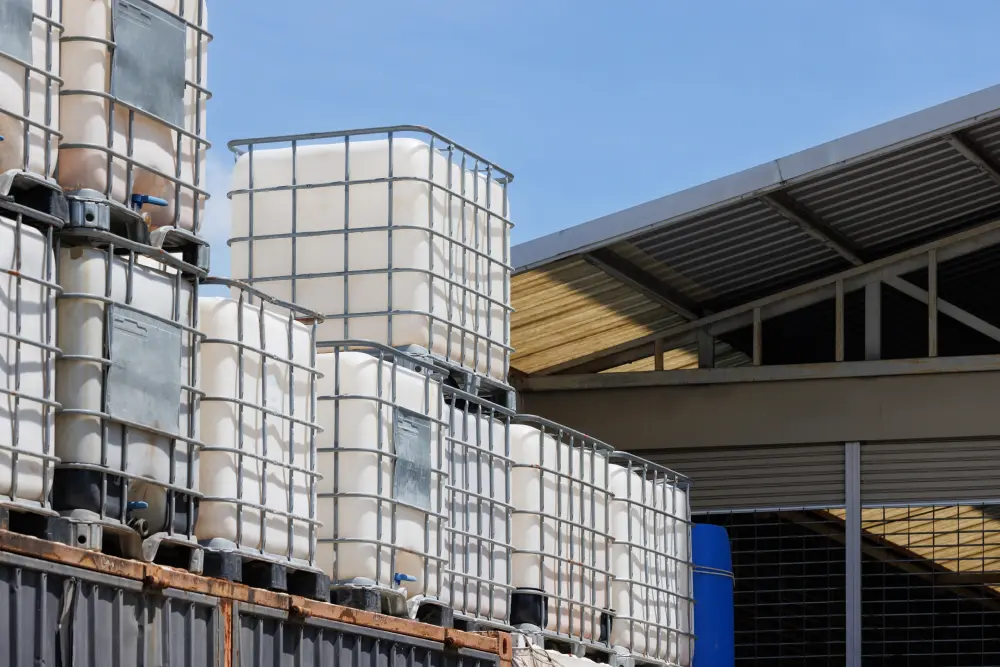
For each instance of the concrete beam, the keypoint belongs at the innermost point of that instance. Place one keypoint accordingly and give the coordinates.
(917, 406)
(762, 374)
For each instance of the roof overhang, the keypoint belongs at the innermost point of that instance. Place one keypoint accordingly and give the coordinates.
(832, 208)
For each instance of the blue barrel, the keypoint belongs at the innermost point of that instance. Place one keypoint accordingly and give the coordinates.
(714, 629)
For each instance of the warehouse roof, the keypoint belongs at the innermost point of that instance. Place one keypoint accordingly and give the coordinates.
(667, 262)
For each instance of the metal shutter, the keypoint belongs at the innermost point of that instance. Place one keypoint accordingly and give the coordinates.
(760, 477)
(929, 472)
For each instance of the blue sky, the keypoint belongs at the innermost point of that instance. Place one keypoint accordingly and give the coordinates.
(594, 105)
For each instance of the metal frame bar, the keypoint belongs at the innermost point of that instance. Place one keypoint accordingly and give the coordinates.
(652, 288)
(886, 269)
(971, 152)
(852, 555)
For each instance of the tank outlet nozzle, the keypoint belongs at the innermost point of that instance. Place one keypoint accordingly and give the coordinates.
(139, 200)
(399, 578)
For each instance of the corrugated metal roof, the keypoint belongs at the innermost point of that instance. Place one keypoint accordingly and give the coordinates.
(727, 242)
(568, 309)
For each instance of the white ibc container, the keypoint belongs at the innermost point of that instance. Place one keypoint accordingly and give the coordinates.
(128, 428)
(381, 457)
(651, 561)
(560, 523)
(27, 364)
(258, 465)
(29, 123)
(396, 239)
(478, 538)
(145, 134)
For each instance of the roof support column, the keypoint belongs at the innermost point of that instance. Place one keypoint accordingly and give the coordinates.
(873, 321)
(706, 349)
(852, 553)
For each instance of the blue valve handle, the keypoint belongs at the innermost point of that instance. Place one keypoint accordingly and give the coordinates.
(139, 200)
(137, 505)
(400, 578)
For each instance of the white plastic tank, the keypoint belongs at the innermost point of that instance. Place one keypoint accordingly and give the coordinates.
(478, 540)
(27, 364)
(318, 218)
(651, 562)
(381, 457)
(257, 424)
(29, 44)
(136, 321)
(151, 134)
(560, 523)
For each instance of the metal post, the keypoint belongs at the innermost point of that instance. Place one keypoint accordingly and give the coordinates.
(839, 336)
(706, 349)
(932, 304)
(873, 321)
(852, 553)
(758, 338)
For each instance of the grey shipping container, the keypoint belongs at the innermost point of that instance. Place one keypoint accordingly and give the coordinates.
(65, 607)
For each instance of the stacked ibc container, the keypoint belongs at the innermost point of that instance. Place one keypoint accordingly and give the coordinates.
(434, 498)
(100, 396)
(29, 135)
(399, 238)
(136, 418)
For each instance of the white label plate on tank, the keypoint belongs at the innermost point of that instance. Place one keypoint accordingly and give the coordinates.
(15, 29)
(144, 380)
(149, 58)
(411, 433)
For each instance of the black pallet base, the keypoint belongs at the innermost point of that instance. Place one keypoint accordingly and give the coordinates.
(370, 598)
(102, 537)
(257, 571)
(486, 389)
(39, 201)
(530, 613)
(27, 521)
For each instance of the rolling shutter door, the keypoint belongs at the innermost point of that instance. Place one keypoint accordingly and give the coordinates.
(760, 477)
(930, 472)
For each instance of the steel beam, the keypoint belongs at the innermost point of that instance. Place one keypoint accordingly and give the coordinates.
(811, 225)
(956, 245)
(946, 308)
(973, 154)
(649, 286)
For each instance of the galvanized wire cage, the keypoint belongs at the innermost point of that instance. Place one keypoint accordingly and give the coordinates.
(561, 517)
(29, 84)
(127, 383)
(150, 140)
(478, 533)
(28, 354)
(651, 526)
(264, 417)
(397, 235)
(382, 460)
